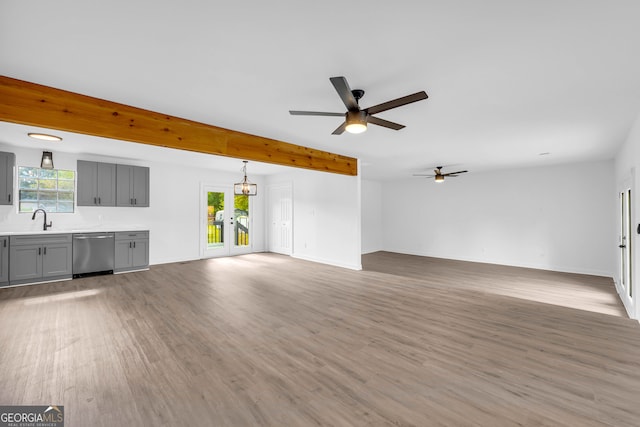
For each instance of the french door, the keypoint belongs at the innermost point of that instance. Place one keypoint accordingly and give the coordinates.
(225, 222)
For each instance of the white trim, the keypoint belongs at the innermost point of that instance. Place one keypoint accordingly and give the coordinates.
(560, 269)
(328, 262)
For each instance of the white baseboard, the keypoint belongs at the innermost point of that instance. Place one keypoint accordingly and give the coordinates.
(328, 262)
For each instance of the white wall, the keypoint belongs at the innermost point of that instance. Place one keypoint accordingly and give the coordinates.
(555, 218)
(326, 216)
(372, 224)
(627, 164)
(173, 217)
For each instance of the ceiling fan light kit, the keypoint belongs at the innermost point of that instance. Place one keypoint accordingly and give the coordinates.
(356, 119)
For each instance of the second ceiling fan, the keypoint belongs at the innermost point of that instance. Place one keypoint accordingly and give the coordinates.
(439, 176)
(356, 119)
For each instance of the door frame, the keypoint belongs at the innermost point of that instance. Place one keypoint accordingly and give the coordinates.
(629, 302)
(229, 247)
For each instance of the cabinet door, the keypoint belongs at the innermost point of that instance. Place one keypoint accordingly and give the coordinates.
(140, 186)
(123, 258)
(140, 255)
(124, 178)
(4, 260)
(87, 183)
(7, 164)
(56, 260)
(25, 262)
(106, 184)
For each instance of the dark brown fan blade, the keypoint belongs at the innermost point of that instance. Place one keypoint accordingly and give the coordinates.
(314, 113)
(340, 129)
(343, 89)
(454, 173)
(418, 96)
(421, 174)
(384, 123)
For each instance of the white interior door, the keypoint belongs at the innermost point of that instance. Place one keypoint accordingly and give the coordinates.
(281, 219)
(225, 222)
(626, 244)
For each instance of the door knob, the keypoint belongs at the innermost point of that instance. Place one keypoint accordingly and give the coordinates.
(622, 246)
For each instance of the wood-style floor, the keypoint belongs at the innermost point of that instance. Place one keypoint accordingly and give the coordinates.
(266, 340)
(593, 293)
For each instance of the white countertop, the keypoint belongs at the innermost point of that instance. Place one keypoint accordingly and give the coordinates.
(98, 229)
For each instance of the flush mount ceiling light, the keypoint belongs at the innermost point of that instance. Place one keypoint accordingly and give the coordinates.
(44, 137)
(245, 188)
(47, 160)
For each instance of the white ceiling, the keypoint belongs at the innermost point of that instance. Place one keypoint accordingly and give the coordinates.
(507, 80)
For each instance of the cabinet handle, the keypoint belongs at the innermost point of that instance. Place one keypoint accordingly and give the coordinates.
(134, 244)
(4, 243)
(95, 200)
(9, 198)
(45, 250)
(99, 201)
(129, 245)
(39, 251)
(135, 201)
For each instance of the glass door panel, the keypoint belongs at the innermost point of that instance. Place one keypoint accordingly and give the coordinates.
(627, 239)
(214, 225)
(241, 220)
(215, 219)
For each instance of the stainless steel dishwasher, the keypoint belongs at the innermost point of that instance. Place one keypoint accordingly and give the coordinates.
(93, 253)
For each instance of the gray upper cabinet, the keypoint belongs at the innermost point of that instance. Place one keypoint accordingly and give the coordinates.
(96, 184)
(37, 258)
(132, 186)
(7, 164)
(4, 260)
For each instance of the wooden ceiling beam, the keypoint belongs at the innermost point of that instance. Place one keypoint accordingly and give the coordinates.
(37, 105)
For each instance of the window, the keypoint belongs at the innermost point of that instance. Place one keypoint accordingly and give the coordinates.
(49, 189)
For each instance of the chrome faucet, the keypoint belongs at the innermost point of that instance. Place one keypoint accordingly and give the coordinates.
(45, 225)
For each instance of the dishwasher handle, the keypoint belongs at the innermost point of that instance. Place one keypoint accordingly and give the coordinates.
(85, 237)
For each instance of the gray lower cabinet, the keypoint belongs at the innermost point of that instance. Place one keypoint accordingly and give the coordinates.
(4, 260)
(96, 183)
(132, 186)
(7, 164)
(132, 251)
(38, 258)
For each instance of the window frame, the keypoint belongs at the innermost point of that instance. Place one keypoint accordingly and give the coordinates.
(40, 188)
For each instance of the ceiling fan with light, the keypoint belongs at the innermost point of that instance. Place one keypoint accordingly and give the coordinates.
(356, 119)
(439, 176)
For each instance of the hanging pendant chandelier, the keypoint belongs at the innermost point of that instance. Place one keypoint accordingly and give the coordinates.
(245, 188)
